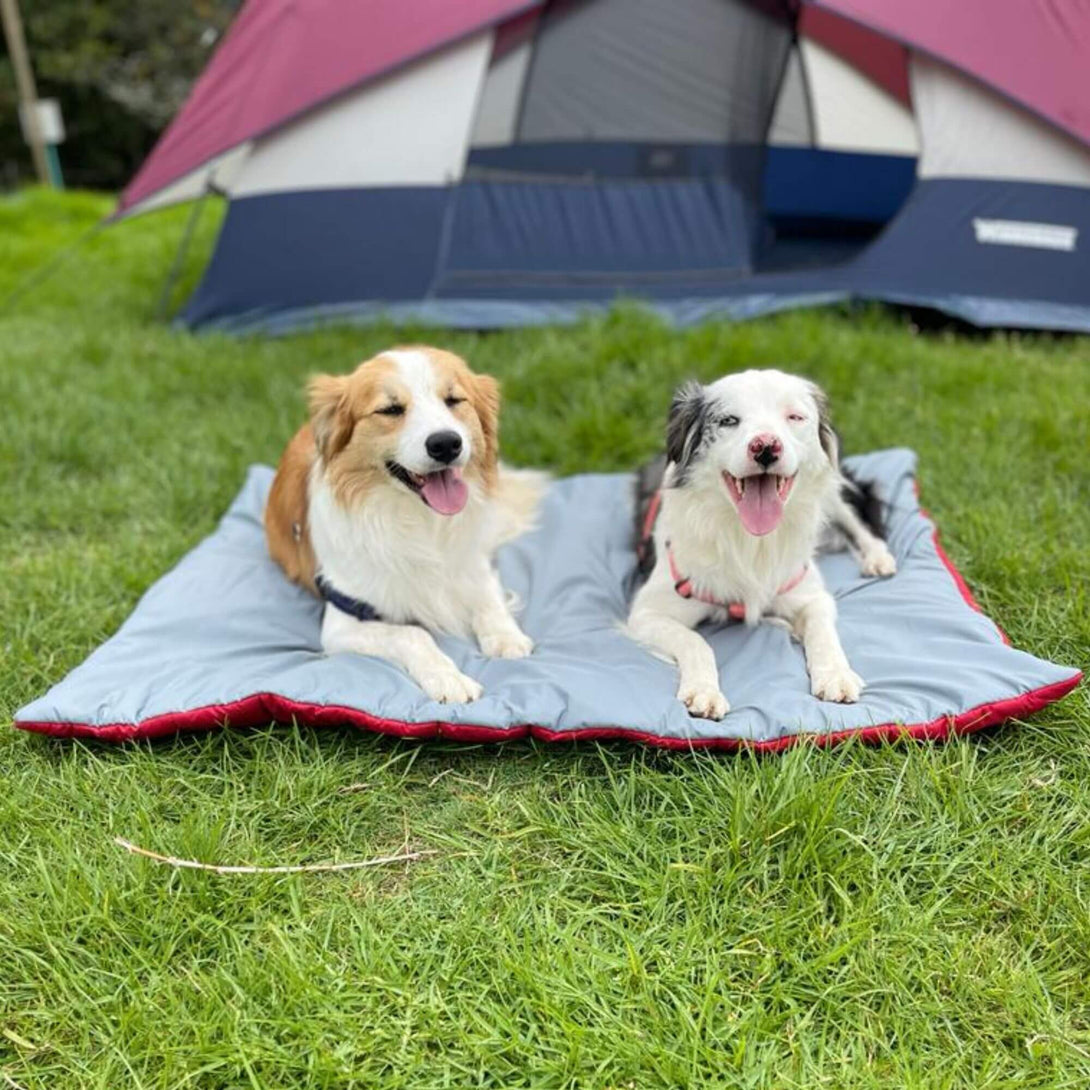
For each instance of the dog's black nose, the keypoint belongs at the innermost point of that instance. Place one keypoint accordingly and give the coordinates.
(764, 449)
(443, 446)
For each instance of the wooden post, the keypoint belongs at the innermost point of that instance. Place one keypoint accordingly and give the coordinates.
(24, 85)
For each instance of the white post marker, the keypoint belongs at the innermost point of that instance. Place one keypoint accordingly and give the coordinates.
(50, 130)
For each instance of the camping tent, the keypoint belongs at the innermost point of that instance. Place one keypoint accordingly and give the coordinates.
(498, 162)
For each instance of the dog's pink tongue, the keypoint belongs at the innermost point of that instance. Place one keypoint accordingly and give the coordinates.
(760, 506)
(445, 491)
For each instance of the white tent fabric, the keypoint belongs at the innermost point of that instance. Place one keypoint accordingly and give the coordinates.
(851, 113)
(826, 103)
(411, 128)
(969, 131)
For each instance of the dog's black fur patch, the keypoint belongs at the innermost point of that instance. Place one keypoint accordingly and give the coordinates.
(685, 427)
(859, 494)
(828, 436)
(863, 496)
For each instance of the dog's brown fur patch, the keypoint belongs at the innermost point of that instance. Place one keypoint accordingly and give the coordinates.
(286, 511)
(354, 439)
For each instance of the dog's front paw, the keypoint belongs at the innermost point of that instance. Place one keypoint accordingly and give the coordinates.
(703, 701)
(878, 561)
(840, 684)
(450, 686)
(506, 645)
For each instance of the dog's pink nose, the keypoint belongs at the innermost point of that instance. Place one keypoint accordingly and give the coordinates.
(765, 448)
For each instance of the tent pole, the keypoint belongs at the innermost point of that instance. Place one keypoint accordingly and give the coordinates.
(179, 257)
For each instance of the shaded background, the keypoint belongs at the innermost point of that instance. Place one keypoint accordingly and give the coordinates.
(120, 69)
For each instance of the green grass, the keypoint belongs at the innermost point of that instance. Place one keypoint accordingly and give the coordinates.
(912, 916)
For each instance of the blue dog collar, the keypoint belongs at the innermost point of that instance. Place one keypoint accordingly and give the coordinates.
(362, 611)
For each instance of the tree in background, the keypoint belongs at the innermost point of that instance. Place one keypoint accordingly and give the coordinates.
(120, 68)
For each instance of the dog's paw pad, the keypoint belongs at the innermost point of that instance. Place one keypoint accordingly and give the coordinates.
(840, 686)
(878, 562)
(704, 702)
(451, 687)
(506, 645)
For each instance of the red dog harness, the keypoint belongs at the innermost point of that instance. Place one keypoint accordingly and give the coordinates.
(683, 584)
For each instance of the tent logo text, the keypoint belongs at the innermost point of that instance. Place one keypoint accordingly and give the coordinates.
(1042, 236)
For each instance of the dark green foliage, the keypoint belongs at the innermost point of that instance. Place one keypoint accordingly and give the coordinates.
(120, 69)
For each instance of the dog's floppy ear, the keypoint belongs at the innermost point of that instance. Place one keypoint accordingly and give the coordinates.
(827, 436)
(330, 414)
(685, 426)
(484, 392)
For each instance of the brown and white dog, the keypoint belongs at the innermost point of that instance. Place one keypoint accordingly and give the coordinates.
(390, 503)
(730, 526)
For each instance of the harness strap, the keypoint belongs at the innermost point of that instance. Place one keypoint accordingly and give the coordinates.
(684, 585)
(649, 521)
(362, 611)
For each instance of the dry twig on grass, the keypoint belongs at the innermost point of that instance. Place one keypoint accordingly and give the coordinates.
(301, 868)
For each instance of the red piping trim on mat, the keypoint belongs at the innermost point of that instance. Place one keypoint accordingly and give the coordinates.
(263, 708)
(958, 578)
(268, 707)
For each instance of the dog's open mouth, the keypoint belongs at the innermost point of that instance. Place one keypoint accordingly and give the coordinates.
(443, 491)
(759, 500)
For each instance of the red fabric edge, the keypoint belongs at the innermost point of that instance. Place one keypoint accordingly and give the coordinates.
(514, 32)
(264, 708)
(876, 56)
(958, 578)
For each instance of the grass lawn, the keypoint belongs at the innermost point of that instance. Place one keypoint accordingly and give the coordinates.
(911, 916)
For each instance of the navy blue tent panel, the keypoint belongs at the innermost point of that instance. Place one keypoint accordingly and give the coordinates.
(284, 253)
(812, 184)
(964, 236)
(489, 254)
(587, 160)
(576, 233)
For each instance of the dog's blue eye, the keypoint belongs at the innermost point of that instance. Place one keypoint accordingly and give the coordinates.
(392, 410)
(729, 421)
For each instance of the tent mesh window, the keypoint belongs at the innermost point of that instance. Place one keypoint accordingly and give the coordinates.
(692, 71)
(620, 141)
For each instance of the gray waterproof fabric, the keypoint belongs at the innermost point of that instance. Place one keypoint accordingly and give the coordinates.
(224, 636)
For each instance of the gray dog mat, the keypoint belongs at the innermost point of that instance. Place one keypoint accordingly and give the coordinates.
(225, 640)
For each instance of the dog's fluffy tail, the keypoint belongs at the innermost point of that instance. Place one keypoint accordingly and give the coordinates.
(518, 499)
(863, 497)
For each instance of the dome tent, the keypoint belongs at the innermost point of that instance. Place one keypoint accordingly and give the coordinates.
(498, 162)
